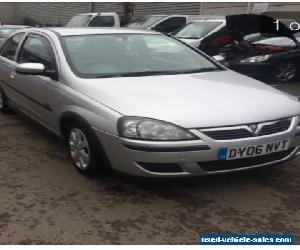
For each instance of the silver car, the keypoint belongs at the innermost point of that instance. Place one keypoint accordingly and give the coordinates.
(144, 103)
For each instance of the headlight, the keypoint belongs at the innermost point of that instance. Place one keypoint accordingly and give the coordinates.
(256, 59)
(150, 129)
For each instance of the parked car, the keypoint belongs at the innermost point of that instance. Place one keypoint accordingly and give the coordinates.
(104, 19)
(280, 42)
(274, 53)
(120, 102)
(195, 31)
(6, 30)
(162, 23)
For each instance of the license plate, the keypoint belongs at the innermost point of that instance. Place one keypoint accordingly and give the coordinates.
(253, 151)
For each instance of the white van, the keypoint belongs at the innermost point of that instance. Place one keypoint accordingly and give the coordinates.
(103, 19)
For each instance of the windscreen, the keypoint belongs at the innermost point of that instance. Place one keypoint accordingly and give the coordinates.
(108, 55)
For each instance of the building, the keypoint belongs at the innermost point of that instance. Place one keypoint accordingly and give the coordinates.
(56, 13)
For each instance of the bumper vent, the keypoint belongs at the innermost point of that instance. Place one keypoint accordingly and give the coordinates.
(161, 167)
(247, 131)
(214, 166)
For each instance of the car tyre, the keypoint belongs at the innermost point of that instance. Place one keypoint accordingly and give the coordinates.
(286, 72)
(85, 150)
(3, 107)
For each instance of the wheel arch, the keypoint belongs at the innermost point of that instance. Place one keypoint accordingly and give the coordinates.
(68, 118)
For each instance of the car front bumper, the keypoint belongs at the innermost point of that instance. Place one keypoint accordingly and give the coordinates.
(191, 158)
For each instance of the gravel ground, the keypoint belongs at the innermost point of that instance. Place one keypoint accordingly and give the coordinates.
(45, 201)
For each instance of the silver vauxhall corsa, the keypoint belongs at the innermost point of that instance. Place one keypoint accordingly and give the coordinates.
(144, 103)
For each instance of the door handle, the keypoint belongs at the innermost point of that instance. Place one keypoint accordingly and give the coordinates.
(12, 75)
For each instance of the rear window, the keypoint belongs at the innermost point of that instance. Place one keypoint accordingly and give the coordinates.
(102, 21)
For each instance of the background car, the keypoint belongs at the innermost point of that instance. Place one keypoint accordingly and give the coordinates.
(199, 28)
(280, 42)
(162, 23)
(103, 19)
(272, 55)
(6, 30)
(275, 55)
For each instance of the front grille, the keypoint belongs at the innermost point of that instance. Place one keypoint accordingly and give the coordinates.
(277, 127)
(228, 134)
(213, 166)
(240, 132)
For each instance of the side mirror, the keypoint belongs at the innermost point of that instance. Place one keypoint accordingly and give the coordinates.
(30, 69)
(219, 58)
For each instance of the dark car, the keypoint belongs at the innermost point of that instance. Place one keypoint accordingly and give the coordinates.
(275, 59)
(273, 54)
(6, 30)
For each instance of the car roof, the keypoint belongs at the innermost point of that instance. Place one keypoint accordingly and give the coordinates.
(68, 31)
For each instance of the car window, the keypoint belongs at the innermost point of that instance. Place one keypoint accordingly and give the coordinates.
(10, 47)
(79, 21)
(171, 24)
(93, 56)
(145, 22)
(37, 49)
(197, 30)
(102, 21)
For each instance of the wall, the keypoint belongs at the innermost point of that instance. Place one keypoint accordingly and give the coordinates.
(223, 8)
(7, 13)
(52, 13)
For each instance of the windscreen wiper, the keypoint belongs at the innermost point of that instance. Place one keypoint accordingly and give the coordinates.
(166, 72)
(187, 37)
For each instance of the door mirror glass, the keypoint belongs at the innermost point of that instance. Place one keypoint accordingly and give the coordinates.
(30, 68)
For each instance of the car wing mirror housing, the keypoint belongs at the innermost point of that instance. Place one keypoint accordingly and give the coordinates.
(219, 58)
(30, 69)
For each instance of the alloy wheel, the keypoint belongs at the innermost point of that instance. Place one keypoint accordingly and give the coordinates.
(286, 72)
(79, 149)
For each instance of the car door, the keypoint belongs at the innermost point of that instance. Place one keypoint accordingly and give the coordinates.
(7, 68)
(39, 90)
